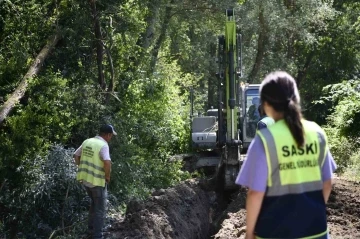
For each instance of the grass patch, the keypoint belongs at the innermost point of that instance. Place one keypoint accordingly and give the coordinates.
(352, 172)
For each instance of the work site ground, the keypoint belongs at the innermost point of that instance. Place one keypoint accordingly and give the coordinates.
(189, 210)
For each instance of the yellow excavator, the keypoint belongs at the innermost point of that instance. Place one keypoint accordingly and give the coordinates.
(223, 134)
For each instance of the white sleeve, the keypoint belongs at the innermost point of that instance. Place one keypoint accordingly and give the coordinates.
(104, 152)
(78, 151)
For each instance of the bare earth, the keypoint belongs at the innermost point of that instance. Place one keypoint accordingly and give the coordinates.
(188, 211)
(343, 213)
(179, 212)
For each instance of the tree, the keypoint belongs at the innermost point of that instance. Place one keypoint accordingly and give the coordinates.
(6, 108)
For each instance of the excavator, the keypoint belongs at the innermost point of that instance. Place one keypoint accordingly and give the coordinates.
(221, 137)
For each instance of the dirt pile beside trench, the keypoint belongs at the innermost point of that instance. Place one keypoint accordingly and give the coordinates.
(343, 212)
(179, 212)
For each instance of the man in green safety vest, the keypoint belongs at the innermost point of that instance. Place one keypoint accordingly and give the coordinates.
(265, 121)
(94, 167)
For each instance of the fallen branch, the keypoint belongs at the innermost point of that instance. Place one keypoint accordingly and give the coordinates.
(19, 92)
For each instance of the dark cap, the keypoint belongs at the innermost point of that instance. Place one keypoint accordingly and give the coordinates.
(107, 129)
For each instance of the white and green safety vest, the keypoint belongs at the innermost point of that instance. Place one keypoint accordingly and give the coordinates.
(91, 168)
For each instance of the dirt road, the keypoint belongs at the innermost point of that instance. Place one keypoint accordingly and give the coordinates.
(187, 211)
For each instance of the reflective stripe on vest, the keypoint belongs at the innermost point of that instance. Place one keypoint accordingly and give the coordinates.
(267, 120)
(91, 168)
(322, 235)
(299, 171)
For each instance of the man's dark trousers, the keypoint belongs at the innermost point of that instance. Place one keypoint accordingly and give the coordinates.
(98, 197)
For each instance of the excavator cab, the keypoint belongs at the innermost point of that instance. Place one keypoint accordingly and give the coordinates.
(250, 116)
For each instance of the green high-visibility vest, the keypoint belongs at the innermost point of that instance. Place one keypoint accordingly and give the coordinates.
(91, 168)
(293, 206)
(305, 162)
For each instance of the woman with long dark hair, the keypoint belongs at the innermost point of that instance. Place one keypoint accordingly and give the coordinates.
(288, 169)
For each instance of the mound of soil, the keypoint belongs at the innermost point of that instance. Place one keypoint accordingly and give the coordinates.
(343, 211)
(179, 212)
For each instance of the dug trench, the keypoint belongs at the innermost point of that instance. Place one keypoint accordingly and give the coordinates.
(187, 211)
(191, 211)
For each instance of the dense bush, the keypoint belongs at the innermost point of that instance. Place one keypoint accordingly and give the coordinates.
(342, 127)
(341, 147)
(51, 197)
(152, 125)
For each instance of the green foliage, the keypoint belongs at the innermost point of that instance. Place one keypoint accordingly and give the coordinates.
(341, 148)
(50, 198)
(335, 57)
(24, 27)
(342, 128)
(346, 112)
(137, 176)
(353, 170)
(153, 127)
(49, 116)
(156, 116)
(278, 35)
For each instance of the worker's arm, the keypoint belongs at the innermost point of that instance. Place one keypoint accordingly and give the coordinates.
(253, 204)
(77, 159)
(327, 171)
(105, 157)
(328, 167)
(327, 185)
(253, 175)
(77, 155)
(107, 168)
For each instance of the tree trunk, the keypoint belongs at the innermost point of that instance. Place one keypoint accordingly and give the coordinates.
(302, 72)
(144, 42)
(99, 44)
(111, 87)
(147, 37)
(19, 92)
(289, 4)
(161, 38)
(262, 41)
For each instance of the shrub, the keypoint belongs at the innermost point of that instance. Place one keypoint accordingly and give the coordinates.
(342, 128)
(352, 172)
(341, 148)
(50, 199)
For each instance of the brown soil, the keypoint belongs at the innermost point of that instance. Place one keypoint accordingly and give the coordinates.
(179, 212)
(344, 210)
(343, 213)
(188, 211)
